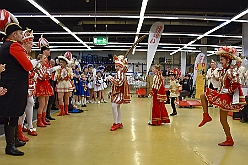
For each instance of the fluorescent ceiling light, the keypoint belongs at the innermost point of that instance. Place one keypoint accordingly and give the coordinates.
(57, 21)
(212, 30)
(142, 13)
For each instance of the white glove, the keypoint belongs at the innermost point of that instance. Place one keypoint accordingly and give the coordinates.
(54, 68)
(38, 65)
(109, 77)
(34, 62)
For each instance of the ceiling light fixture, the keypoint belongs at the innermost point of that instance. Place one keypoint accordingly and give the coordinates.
(142, 13)
(212, 30)
(57, 21)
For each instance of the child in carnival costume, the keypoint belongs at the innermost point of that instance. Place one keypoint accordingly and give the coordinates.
(64, 85)
(229, 97)
(159, 113)
(98, 81)
(120, 90)
(174, 91)
(43, 89)
(104, 84)
(78, 85)
(91, 84)
(84, 90)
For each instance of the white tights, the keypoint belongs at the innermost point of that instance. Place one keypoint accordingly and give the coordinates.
(116, 113)
(28, 112)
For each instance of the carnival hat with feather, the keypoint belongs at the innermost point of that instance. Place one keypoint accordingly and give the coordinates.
(8, 23)
(27, 35)
(228, 51)
(43, 44)
(6, 18)
(66, 57)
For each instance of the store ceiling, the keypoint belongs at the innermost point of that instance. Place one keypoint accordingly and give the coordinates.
(184, 21)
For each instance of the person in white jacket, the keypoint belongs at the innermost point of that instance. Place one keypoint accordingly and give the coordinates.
(213, 76)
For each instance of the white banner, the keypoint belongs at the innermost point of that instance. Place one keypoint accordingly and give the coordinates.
(153, 41)
(198, 59)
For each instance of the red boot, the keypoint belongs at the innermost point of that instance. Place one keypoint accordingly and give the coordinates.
(21, 136)
(39, 121)
(66, 110)
(44, 119)
(120, 125)
(229, 142)
(62, 112)
(114, 127)
(206, 118)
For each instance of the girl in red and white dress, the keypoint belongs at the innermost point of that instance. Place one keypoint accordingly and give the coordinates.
(64, 86)
(27, 43)
(159, 113)
(229, 97)
(120, 90)
(43, 89)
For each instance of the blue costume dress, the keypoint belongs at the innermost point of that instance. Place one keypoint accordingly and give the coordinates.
(84, 89)
(77, 83)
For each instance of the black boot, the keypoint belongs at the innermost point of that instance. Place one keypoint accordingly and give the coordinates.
(18, 143)
(10, 140)
(173, 114)
(48, 115)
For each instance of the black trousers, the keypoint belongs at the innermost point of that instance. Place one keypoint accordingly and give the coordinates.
(11, 121)
(173, 106)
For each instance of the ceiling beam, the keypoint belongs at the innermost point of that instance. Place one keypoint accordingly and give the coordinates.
(44, 11)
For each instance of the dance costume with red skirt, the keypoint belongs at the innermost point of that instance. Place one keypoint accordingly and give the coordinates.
(230, 86)
(159, 112)
(43, 87)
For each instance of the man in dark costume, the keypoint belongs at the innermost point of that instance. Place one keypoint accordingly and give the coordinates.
(15, 80)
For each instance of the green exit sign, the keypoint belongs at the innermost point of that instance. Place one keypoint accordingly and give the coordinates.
(100, 40)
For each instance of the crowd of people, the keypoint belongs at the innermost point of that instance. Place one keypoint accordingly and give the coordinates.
(69, 84)
(41, 80)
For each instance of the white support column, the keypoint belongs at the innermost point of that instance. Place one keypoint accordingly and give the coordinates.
(183, 63)
(245, 37)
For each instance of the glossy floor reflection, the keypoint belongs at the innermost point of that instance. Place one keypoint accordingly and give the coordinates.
(85, 139)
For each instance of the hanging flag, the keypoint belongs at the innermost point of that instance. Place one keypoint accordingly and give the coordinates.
(198, 59)
(153, 41)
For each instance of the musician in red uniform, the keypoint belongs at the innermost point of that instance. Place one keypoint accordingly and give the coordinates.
(43, 44)
(27, 43)
(229, 97)
(159, 113)
(43, 89)
(120, 90)
(15, 80)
